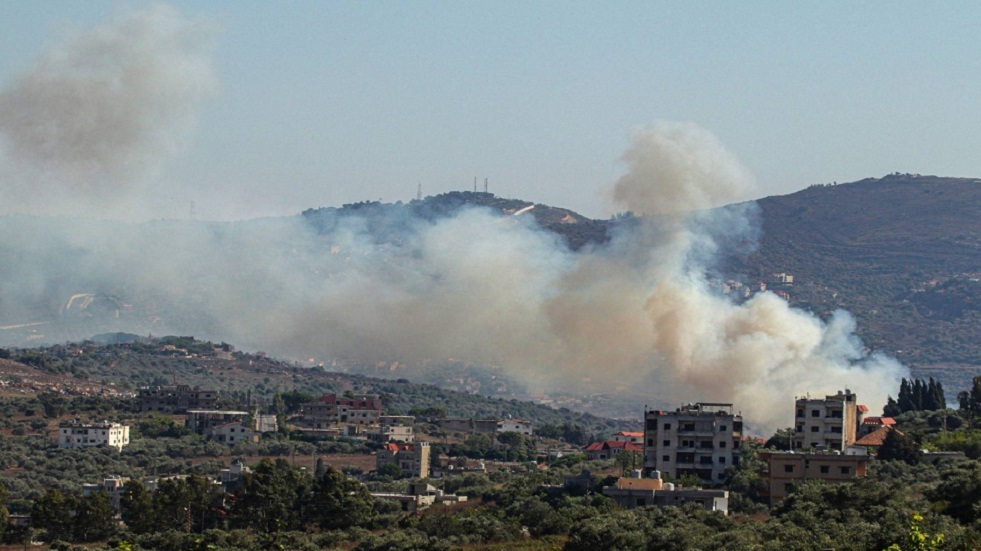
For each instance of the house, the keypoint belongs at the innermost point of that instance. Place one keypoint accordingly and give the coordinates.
(115, 486)
(629, 436)
(202, 421)
(412, 459)
(391, 433)
(515, 425)
(75, 435)
(700, 439)
(784, 469)
(871, 424)
(232, 433)
(176, 398)
(829, 423)
(471, 426)
(610, 449)
(331, 409)
(421, 496)
(631, 492)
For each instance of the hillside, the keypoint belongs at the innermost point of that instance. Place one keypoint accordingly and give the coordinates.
(901, 253)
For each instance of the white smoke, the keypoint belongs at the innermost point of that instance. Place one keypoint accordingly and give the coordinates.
(100, 111)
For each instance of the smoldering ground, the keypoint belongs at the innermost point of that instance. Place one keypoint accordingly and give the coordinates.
(382, 284)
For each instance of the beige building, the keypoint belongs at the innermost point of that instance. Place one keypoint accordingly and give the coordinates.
(202, 421)
(412, 459)
(697, 439)
(74, 435)
(784, 469)
(646, 492)
(829, 423)
(176, 398)
(115, 486)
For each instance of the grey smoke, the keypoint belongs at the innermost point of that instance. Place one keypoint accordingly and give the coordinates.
(100, 111)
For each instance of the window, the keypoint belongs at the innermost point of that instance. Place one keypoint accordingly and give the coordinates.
(815, 413)
(723, 428)
(666, 458)
(788, 468)
(800, 413)
(667, 426)
(650, 442)
(846, 470)
(667, 444)
(722, 444)
(815, 428)
(722, 461)
(825, 469)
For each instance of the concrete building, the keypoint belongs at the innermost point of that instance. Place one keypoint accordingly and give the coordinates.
(115, 486)
(331, 409)
(646, 492)
(176, 398)
(74, 435)
(610, 449)
(468, 426)
(232, 433)
(421, 496)
(829, 423)
(699, 439)
(412, 459)
(515, 425)
(202, 421)
(784, 469)
(391, 433)
(629, 436)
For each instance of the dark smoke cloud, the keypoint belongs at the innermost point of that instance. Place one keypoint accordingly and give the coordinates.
(100, 111)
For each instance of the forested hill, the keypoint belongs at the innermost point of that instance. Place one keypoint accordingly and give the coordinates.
(91, 368)
(901, 253)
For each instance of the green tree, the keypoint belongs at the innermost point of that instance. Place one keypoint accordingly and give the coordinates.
(136, 507)
(94, 518)
(272, 498)
(339, 502)
(901, 447)
(52, 513)
(4, 514)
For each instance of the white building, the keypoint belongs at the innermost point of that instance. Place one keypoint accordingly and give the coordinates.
(109, 434)
(697, 439)
(515, 425)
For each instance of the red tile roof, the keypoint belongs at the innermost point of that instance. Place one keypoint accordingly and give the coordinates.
(610, 444)
(875, 438)
(863, 409)
(879, 421)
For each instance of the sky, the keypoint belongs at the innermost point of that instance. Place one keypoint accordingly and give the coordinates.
(312, 104)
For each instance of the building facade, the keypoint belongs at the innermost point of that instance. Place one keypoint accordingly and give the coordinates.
(699, 439)
(784, 469)
(176, 398)
(412, 459)
(202, 421)
(635, 492)
(74, 435)
(829, 423)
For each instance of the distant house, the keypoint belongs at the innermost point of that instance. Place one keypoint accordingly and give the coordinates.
(391, 433)
(74, 435)
(421, 496)
(471, 426)
(871, 424)
(331, 409)
(115, 486)
(828, 423)
(631, 492)
(515, 425)
(636, 437)
(176, 398)
(202, 421)
(412, 459)
(610, 449)
(232, 433)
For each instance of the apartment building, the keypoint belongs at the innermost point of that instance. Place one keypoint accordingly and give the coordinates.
(75, 435)
(784, 469)
(202, 421)
(412, 459)
(330, 410)
(176, 398)
(699, 439)
(829, 423)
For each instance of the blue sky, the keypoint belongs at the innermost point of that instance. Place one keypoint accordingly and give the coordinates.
(323, 103)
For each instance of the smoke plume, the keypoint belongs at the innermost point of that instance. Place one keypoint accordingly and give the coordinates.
(100, 111)
(94, 119)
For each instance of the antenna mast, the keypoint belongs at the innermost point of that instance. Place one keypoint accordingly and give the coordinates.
(485, 185)
(419, 193)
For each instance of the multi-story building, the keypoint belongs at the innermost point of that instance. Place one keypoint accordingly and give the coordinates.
(114, 486)
(232, 433)
(74, 435)
(515, 425)
(176, 398)
(829, 423)
(330, 410)
(697, 439)
(202, 421)
(412, 459)
(784, 469)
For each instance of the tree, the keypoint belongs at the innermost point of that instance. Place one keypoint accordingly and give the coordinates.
(54, 405)
(339, 502)
(93, 518)
(136, 506)
(52, 513)
(274, 497)
(4, 514)
(783, 439)
(891, 409)
(898, 446)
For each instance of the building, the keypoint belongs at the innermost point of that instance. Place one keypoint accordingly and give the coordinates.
(646, 492)
(176, 398)
(610, 449)
(699, 439)
(232, 433)
(784, 469)
(629, 436)
(515, 425)
(412, 459)
(115, 486)
(391, 433)
(421, 496)
(330, 409)
(829, 423)
(74, 435)
(470, 426)
(872, 424)
(202, 421)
